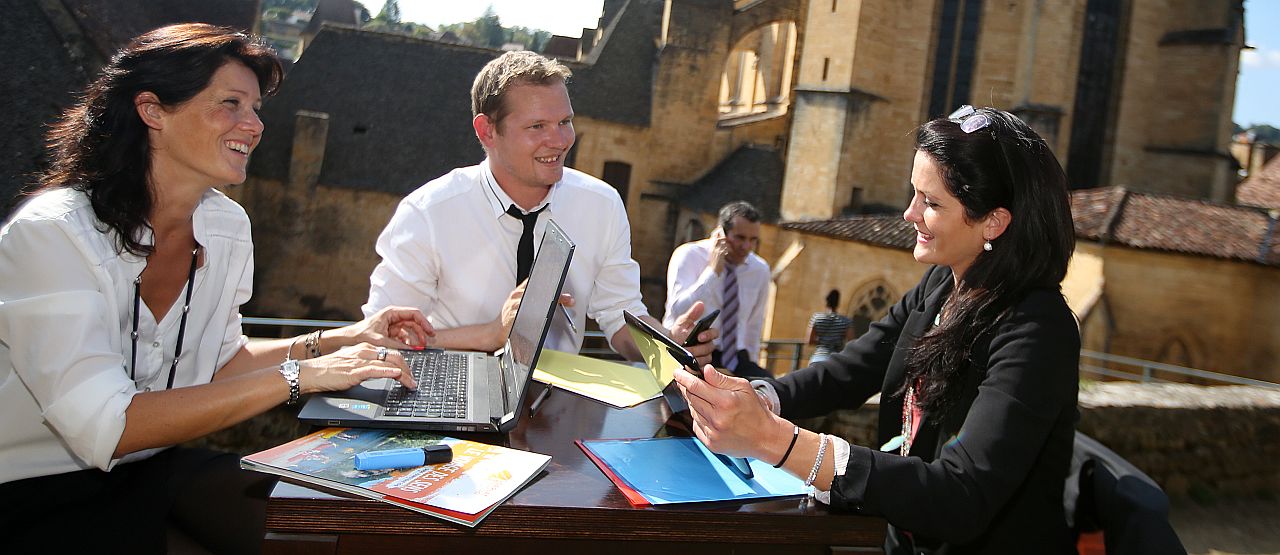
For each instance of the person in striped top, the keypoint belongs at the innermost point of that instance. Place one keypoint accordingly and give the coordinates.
(829, 330)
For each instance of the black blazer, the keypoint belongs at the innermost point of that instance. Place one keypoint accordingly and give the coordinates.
(986, 477)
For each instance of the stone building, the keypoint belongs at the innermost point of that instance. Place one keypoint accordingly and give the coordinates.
(1182, 281)
(804, 108)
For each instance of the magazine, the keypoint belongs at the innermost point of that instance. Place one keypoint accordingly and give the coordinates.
(464, 491)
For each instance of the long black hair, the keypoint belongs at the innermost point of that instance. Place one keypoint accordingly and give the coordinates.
(1003, 164)
(100, 145)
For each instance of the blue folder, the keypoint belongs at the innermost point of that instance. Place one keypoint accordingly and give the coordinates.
(682, 470)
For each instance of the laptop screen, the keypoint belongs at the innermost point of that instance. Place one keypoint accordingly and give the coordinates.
(536, 309)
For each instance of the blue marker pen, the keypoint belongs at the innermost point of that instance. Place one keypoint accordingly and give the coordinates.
(403, 458)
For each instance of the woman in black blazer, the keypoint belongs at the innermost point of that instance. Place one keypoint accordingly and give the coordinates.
(977, 366)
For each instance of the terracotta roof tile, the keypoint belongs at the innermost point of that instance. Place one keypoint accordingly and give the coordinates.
(1168, 223)
(886, 230)
(1114, 215)
(1262, 189)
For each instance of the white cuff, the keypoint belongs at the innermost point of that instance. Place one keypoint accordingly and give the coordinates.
(770, 395)
(841, 464)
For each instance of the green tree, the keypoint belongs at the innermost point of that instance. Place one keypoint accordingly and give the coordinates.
(488, 29)
(390, 12)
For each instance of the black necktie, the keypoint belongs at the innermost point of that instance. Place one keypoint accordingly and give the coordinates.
(524, 254)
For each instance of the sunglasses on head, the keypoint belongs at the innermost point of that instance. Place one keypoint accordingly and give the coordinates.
(969, 119)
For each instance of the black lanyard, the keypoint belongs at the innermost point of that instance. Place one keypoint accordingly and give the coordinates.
(182, 327)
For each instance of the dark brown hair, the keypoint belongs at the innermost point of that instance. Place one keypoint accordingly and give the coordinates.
(100, 145)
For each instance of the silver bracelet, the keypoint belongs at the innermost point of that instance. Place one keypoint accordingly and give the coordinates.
(817, 462)
(288, 355)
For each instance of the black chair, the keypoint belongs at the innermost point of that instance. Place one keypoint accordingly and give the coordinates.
(1104, 492)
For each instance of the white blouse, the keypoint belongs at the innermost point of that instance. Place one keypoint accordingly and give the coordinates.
(66, 314)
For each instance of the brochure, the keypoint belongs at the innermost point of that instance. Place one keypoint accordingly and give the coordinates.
(465, 490)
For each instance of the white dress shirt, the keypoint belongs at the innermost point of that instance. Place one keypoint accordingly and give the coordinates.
(66, 313)
(450, 250)
(690, 279)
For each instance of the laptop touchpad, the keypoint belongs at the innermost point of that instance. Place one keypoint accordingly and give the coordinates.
(373, 391)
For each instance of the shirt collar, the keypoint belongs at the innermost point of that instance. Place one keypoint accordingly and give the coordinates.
(199, 228)
(499, 200)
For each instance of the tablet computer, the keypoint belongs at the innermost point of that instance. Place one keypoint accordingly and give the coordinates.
(682, 355)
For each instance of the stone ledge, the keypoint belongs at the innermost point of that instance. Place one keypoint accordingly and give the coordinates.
(1197, 440)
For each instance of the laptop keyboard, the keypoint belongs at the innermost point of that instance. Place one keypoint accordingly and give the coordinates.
(442, 387)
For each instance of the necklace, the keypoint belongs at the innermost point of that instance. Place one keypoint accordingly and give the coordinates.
(182, 326)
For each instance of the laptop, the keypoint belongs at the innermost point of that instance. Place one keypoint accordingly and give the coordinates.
(461, 391)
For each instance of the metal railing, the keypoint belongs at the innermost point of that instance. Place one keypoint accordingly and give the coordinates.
(1138, 370)
(792, 353)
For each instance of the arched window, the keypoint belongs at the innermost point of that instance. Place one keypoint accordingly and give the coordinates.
(693, 230)
(870, 304)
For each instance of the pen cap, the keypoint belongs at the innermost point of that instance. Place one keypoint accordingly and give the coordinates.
(437, 454)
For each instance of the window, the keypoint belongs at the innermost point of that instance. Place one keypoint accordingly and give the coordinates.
(870, 305)
(618, 174)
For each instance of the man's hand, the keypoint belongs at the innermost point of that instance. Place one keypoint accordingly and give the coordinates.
(719, 251)
(509, 308)
(706, 340)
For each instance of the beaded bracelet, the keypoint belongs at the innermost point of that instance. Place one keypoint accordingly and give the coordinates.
(795, 433)
(817, 461)
(313, 344)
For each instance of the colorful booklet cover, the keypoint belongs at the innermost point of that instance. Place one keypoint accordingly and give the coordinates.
(464, 491)
(667, 470)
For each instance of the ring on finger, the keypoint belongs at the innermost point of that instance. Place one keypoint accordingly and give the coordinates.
(382, 353)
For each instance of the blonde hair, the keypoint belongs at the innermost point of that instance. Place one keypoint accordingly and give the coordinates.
(488, 92)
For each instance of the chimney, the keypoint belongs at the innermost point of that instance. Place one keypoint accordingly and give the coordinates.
(310, 130)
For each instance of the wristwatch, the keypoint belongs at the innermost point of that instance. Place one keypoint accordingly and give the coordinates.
(289, 369)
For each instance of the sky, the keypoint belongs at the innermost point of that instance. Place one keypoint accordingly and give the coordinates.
(1255, 90)
(1259, 80)
(560, 17)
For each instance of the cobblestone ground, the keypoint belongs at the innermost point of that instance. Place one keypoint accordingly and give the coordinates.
(1228, 527)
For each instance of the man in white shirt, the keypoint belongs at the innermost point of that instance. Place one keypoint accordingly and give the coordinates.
(723, 272)
(457, 246)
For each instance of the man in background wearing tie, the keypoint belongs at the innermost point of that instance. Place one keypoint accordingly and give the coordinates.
(457, 246)
(723, 272)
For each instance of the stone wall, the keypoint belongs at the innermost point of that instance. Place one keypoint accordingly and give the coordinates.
(1200, 441)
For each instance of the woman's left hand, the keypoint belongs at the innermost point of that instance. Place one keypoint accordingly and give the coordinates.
(394, 326)
(729, 417)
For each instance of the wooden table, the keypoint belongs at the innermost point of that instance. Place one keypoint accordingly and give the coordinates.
(571, 508)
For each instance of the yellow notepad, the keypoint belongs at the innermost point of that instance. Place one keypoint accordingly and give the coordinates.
(610, 382)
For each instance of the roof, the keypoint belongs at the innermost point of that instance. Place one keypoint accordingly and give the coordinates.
(400, 110)
(1173, 224)
(561, 47)
(39, 79)
(1262, 189)
(885, 230)
(48, 61)
(751, 173)
(1117, 216)
(333, 11)
(110, 24)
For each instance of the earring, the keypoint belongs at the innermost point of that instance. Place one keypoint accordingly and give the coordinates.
(986, 246)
